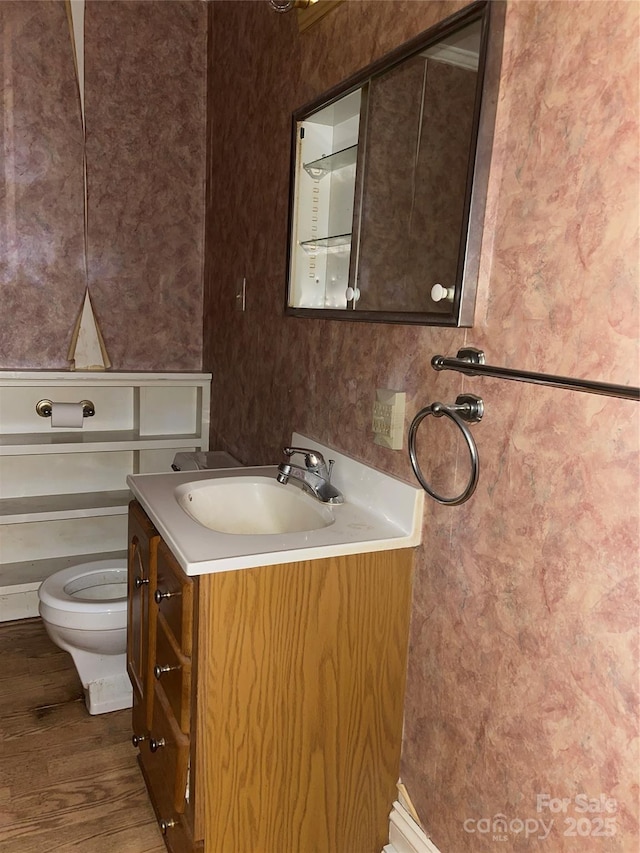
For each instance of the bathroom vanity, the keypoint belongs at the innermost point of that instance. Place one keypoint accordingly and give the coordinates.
(268, 698)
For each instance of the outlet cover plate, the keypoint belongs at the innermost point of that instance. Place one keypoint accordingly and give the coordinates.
(388, 418)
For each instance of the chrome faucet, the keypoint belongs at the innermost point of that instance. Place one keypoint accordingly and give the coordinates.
(314, 478)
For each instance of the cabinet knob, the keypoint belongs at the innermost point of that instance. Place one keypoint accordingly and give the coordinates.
(158, 669)
(154, 745)
(136, 740)
(159, 595)
(440, 293)
(167, 824)
(140, 582)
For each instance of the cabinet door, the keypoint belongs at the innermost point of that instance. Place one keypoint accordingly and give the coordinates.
(174, 597)
(143, 546)
(167, 759)
(173, 672)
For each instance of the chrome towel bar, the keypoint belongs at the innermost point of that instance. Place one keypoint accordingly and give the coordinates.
(471, 361)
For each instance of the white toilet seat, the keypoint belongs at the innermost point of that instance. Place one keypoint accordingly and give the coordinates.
(96, 587)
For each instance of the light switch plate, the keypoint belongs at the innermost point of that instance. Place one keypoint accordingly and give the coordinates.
(388, 418)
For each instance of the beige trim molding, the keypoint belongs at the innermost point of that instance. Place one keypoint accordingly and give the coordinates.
(405, 835)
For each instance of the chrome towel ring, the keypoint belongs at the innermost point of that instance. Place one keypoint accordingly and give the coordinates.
(467, 408)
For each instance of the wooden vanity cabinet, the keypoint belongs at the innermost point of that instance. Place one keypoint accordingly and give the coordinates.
(159, 646)
(281, 729)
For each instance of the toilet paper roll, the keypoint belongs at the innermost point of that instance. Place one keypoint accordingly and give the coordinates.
(67, 416)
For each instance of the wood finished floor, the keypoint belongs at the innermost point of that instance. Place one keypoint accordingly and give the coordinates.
(68, 781)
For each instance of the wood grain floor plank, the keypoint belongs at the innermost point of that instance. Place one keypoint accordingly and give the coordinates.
(69, 782)
(72, 731)
(28, 691)
(118, 758)
(72, 801)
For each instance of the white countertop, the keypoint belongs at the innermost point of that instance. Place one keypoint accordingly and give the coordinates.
(380, 513)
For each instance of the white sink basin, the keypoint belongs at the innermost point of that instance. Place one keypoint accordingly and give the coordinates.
(252, 506)
(261, 522)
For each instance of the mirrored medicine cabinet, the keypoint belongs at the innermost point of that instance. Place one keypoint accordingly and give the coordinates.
(389, 177)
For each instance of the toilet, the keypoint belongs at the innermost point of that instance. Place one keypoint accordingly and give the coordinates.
(84, 610)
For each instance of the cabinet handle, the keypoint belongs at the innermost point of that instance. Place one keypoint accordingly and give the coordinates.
(159, 595)
(167, 824)
(136, 740)
(158, 670)
(154, 745)
(140, 582)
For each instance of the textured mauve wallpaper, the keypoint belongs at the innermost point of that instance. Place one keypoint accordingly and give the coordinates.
(145, 116)
(523, 663)
(41, 213)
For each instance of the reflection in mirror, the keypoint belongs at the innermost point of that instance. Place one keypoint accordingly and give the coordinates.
(389, 180)
(323, 216)
(420, 126)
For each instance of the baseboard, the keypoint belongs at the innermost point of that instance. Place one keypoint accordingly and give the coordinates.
(405, 835)
(18, 602)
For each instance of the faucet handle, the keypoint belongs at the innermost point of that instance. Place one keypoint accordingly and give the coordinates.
(313, 459)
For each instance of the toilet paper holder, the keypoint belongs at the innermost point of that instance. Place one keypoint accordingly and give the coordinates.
(44, 408)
